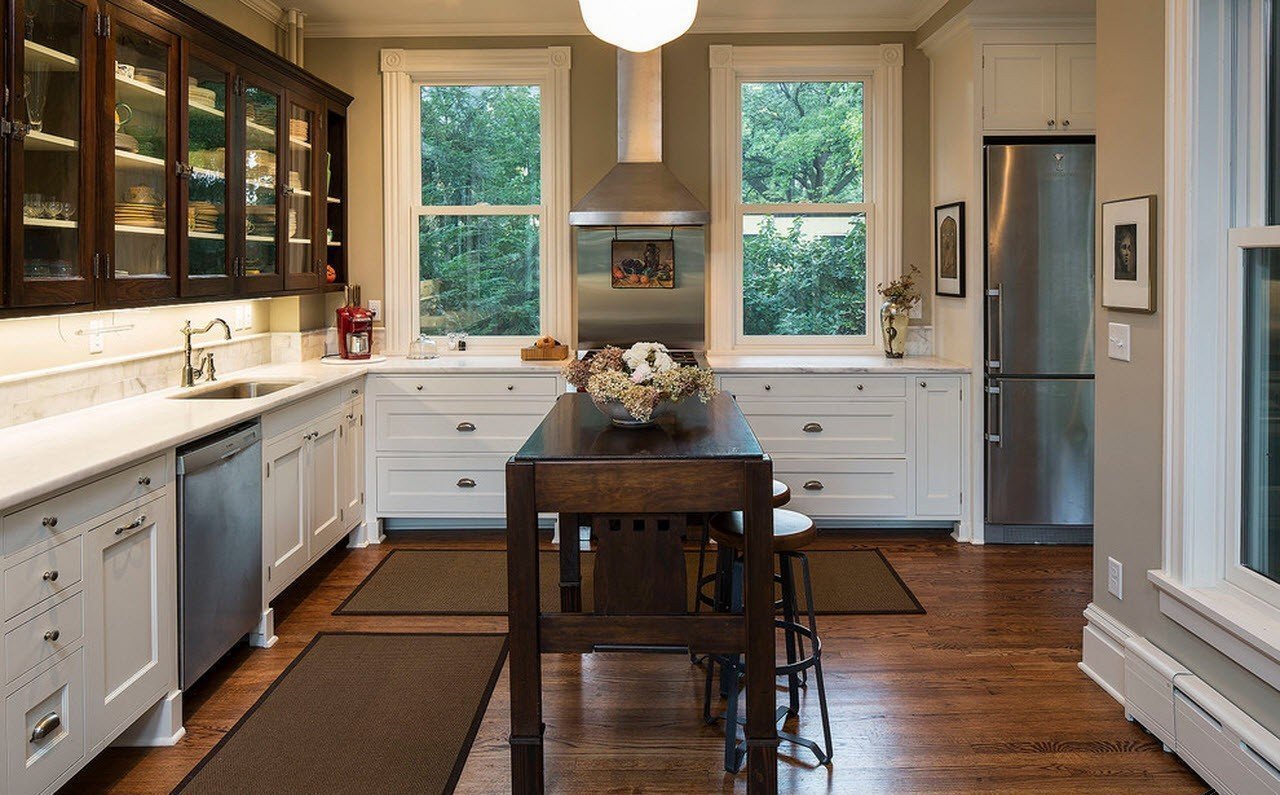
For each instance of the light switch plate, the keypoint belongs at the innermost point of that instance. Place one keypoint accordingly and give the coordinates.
(1115, 578)
(95, 337)
(375, 306)
(1118, 342)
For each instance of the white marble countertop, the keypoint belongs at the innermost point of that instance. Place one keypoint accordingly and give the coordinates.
(463, 363)
(43, 457)
(871, 363)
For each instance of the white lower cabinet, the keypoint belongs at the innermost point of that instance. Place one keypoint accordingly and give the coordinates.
(939, 445)
(351, 464)
(285, 531)
(131, 632)
(45, 727)
(324, 487)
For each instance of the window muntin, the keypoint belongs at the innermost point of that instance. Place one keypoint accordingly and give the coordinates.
(479, 227)
(803, 220)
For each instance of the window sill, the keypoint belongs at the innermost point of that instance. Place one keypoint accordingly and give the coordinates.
(1242, 627)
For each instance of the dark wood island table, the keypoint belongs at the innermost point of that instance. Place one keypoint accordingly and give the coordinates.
(636, 486)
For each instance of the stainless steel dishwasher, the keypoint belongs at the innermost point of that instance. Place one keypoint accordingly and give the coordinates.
(219, 546)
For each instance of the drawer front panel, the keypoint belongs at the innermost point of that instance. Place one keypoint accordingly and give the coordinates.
(45, 727)
(47, 574)
(409, 425)
(790, 386)
(854, 428)
(64, 512)
(442, 486)
(852, 488)
(39, 638)
(494, 386)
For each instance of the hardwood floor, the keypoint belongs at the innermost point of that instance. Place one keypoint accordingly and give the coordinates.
(981, 695)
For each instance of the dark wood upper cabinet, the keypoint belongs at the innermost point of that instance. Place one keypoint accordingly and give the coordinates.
(152, 155)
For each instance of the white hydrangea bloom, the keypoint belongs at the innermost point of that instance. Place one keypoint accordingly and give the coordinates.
(662, 362)
(642, 373)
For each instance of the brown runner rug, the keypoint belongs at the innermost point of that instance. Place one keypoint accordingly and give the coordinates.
(360, 713)
(435, 582)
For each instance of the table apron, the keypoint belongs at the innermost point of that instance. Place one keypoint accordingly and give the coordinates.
(666, 486)
(580, 634)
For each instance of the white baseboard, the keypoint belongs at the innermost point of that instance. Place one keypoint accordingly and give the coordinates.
(1104, 640)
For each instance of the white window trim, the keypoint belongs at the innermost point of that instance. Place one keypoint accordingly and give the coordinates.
(1214, 167)
(880, 67)
(403, 72)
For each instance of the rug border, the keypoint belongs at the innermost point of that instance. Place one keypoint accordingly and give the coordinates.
(341, 610)
(464, 751)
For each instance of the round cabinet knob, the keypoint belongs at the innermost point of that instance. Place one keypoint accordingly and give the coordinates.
(52, 635)
(768, 387)
(924, 385)
(419, 387)
(466, 483)
(1066, 122)
(511, 387)
(861, 387)
(814, 485)
(50, 576)
(1052, 123)
(355, 391)
(145, 480)
(49, 521)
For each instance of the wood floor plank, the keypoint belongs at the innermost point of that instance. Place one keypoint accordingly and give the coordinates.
(981, 695)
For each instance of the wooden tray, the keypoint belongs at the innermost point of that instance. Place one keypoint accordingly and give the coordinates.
(552, 354)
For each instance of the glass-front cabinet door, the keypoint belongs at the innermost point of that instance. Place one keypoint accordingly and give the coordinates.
(204, 182)
(334, 170)
(263, 227)
(140, 245)
(49, 107)
(304, 190)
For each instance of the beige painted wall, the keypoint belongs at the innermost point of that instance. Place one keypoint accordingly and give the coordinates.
(1127, 482)
(352, 64)
(236, 14)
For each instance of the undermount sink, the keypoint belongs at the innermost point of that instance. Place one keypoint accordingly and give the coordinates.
(236, 390)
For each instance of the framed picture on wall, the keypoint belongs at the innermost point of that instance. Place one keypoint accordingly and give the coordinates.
(948, 250)
(644, 264)
(1128, 260)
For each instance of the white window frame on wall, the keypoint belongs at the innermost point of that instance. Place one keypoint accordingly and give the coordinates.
(1215, 167)
(404, 73)
(879, 68)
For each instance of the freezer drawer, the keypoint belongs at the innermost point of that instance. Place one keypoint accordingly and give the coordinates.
(1039, 452)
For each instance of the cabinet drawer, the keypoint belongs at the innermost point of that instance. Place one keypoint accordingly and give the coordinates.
(52, 572)
(65, 511)
(547, 386)
(45, 727)
(845, 488)
(36, 640)
(852, 428)
(442, 486)
(411, 425)
(784, 386)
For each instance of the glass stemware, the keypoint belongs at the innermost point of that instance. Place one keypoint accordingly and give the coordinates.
(35, 87)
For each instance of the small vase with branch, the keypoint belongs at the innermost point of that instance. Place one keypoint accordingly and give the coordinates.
(900, 296)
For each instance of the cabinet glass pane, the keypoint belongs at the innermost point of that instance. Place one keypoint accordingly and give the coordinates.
(302, 124)
(141, 120)
(50, 105)
(262, 113)
(1260, 514)
(207, 156)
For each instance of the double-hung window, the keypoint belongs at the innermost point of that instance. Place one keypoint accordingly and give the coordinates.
(806, 208)
(477, 166)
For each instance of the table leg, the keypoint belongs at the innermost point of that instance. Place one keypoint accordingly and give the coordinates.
(757, 531)
(570, 563)
(525, 662)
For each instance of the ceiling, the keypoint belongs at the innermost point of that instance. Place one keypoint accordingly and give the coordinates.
(343, 18)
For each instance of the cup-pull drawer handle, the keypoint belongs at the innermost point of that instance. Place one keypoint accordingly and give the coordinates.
(466, 483)
(813, 485)
(49, 521)
(466, 427)
(813, 427)
(134, 525)
(50, 576)
(52, 635)
(45, 727)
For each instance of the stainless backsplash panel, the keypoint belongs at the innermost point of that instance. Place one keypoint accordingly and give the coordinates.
(608, 316)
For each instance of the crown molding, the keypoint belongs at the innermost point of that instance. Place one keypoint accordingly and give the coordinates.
(967, 22)
(267, 9)
(926, 13)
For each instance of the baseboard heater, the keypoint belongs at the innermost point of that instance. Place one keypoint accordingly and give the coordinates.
(1232, 752)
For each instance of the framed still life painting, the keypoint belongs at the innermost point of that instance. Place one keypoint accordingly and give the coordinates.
(1128, 254)
(643, 264)
(948, 250)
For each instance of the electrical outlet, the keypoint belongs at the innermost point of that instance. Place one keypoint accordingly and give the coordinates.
(1115, 578)
(244, 317)
(1118, 342)
(375, 306)
(95, 338)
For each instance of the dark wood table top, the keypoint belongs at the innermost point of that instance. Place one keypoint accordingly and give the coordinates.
(575, 430)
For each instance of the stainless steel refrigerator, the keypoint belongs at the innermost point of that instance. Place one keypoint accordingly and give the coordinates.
(1039, 343)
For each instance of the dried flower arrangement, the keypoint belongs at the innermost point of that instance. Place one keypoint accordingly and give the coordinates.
(902, 290)
(640, 379)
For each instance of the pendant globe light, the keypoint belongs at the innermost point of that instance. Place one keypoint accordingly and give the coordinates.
(638, 25)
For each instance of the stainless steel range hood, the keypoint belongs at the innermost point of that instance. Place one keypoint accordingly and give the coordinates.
(640, 190)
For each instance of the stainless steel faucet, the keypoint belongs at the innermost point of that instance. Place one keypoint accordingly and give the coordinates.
(190, 375)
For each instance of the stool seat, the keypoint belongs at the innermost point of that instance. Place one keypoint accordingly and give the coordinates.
(791, 530)
(781, 494)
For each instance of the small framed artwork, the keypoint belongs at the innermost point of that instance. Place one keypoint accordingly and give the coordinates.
(644, 264)
(948, 250)
(1129, 254)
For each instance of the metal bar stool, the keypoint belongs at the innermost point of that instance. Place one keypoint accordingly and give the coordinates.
(792, 532)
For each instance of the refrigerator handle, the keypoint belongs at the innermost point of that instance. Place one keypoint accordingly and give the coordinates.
(995, 429)
(995, 321)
